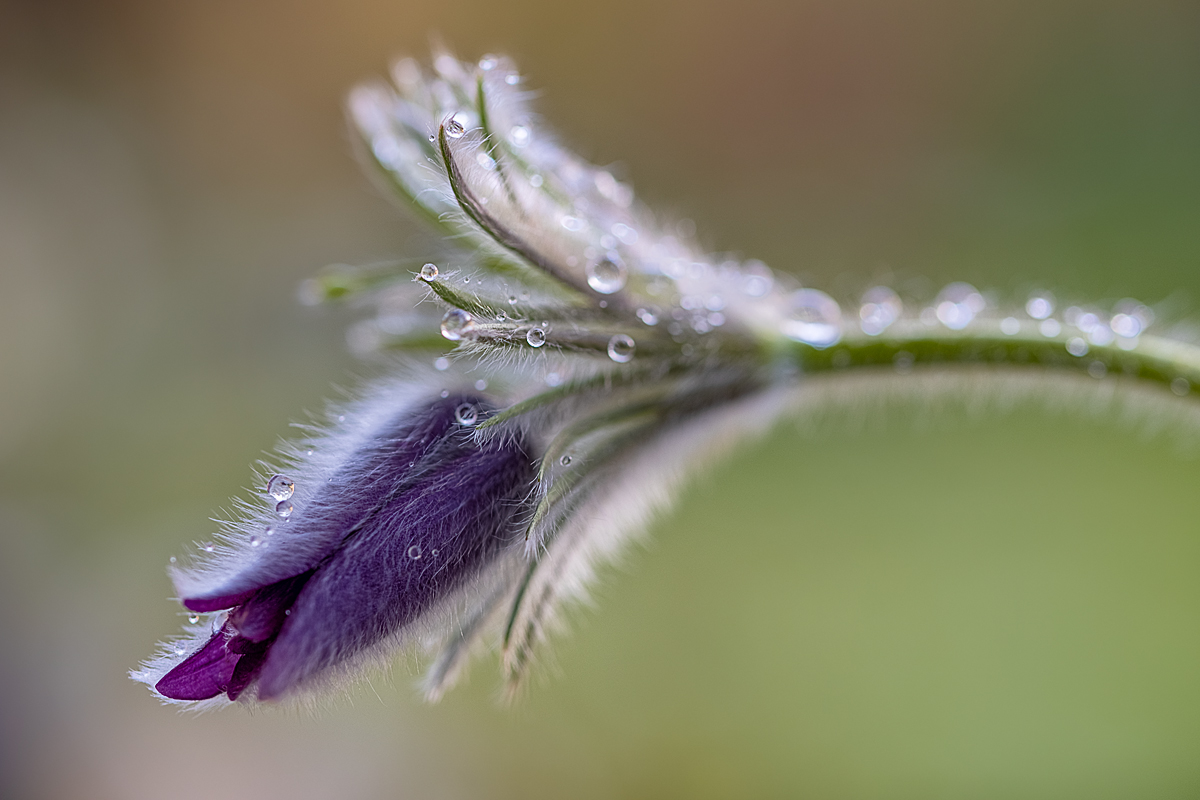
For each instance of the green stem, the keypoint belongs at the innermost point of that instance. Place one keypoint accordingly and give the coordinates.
(910, 343)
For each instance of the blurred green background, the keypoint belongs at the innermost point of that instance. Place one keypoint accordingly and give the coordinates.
(868, 607)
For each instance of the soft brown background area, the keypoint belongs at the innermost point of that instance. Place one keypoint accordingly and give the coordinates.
(871, 607)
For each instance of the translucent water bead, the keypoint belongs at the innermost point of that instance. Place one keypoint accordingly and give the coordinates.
(281, 487)
(880, 308)
(813, 318)
(958, 304)
(536, 337)
(457, 324)
(606, 276)
(620, 348)
(429, 272)
(454, 129)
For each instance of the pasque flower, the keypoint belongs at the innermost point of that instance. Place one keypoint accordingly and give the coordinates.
(596, 356)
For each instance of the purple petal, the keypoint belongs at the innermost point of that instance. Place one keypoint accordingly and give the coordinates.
(204, 674)
(427, 539)
(389, 463)
(247, 669)
(261, 616)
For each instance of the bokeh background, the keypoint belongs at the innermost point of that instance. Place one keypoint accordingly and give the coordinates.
(893, 603)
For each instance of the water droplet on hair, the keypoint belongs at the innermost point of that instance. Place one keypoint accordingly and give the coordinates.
(284, 509)
(309, 452)
(512, 78)
(172, 559)
(1077, 347)
(193, 619)
(281, 487)
(414, 552)
(466, 414)
(457, 324)
(957, 305)
(441, 363)
(606, 276)
(536, 337)
(487, 62)
(454, 129)
(485, 161)
(565, 461)
(179, 650)
(621, 347)
(255, 541)
(535, 181)
(445, 394)
(1181, 386)
(519, 135)
(1040, 306)
(880, 308)
(813, 318)
(429, 272)
(433, 552)
(208, 547)
(480, 385)
(572, 223)
(647, 317)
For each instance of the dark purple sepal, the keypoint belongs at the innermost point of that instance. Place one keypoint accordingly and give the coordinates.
(247, 669)
(427, 539)
(392, 460)
(261, 616)
(202, 675)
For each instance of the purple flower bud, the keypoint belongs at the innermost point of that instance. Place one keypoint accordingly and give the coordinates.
(413, 515)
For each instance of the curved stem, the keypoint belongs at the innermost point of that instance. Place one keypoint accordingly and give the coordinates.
(908, 343)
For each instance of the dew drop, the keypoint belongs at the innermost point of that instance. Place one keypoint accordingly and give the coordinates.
(572, 223)
(606, 276)
(433, 552)
(880, 308)
(172, 559)
(1050, 328)
(208, 547)
(958, 304)
(193, 619)
(565, 461)
(466, 414)
(813, 318)
(445, 394)
(255, 541)
(284, 509)
(1077, 347)
(281, 487)
(512, 78)
(309, 452)
(519, 135)
(441, 363)
(553, 379)
(1181, 386)
(1010, 326)
(487, 62)
(454, 128)
(457, 324)
(620, 348)
(429, 272)
(1040, 306)
(480, 385)
(1126, 326)
(485, 161)
(535, 181)
(414, 552)
(536, 337)
(179, 651)
(1097, 369)
(647, 317)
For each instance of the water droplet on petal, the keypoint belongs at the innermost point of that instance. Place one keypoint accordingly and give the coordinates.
(429, 272)
(457, 324)
(1040, 306)
(208, 547)
(193, 619)
(620, 348)
(553, 379)
(606, 276)
(284, 509)
(281, 487)
(172, 559)
(565, 461)
(880, 308)
(958, 304)
(536, 337)
(466, 414)
(813, 318)
(255, 541)
(454, 128)
(414, 552)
